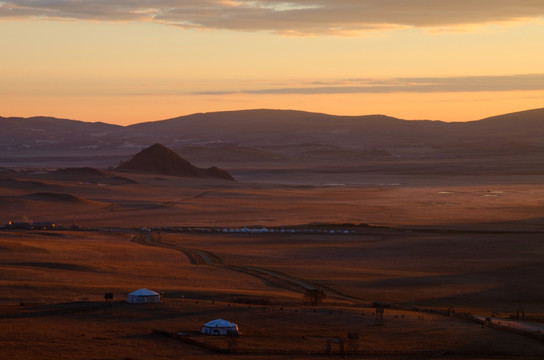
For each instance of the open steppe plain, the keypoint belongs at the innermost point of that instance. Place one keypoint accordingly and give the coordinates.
(449, 233)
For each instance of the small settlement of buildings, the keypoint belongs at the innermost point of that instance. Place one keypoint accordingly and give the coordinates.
(258, 230)
(143, 296)
(23, 225)
(219, 327)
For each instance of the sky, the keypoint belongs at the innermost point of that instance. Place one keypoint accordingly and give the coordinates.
(130, 61)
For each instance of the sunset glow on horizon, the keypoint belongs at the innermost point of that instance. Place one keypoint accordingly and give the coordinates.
(125, 63)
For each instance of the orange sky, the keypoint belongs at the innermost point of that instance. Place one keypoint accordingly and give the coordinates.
(144, 61)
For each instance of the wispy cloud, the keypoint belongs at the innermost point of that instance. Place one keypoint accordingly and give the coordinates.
(524, 82)
(282, 16)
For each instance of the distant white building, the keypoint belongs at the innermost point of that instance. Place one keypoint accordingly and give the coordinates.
(219, 327)
(255, 230)
(143, 296)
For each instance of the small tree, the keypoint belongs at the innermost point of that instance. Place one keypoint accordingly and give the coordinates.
(314, 296)
(353, 341)
(108, 297)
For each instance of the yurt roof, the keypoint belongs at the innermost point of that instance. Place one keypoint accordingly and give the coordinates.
(219, 323)
(144, 292)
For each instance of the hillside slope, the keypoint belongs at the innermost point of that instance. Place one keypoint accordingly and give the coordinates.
(273, 131)
(158, 159)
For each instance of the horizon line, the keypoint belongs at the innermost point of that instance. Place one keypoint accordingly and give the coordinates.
(265, 109)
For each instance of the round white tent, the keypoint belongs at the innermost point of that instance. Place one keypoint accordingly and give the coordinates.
(143, 296)
(219, 327)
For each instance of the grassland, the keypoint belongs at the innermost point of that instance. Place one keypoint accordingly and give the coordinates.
(472, 242)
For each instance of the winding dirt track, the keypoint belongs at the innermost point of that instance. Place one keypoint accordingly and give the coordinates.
(274, 278)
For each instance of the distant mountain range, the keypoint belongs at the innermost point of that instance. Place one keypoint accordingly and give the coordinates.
(273, 134)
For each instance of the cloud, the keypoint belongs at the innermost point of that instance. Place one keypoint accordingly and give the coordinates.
(524, 82)
(299, 17)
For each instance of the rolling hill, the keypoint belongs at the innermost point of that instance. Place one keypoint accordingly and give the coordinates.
(265, 134)
(158, 159)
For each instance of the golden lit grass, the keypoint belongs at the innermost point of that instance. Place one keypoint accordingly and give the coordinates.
(48, 271)
(76, 265)
(389, 206)
(480, 272)
(301, 329)
(472, 271)
(91, 330)
(507, 203)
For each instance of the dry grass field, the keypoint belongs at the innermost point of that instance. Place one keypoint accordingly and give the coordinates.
(471, 241)
(53, 284)
(490, 194)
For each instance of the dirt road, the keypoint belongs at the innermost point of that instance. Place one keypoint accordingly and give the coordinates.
(202, 257)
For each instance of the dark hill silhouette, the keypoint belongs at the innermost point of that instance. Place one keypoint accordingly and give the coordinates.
(272, 131)
(259, 128)
(529, 118)
(14, 126)
(42, 132)
(276, 127)
(518, 127)
(158, 159)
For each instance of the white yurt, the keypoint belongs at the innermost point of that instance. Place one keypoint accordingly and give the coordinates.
(143, 296)
(219, 327)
